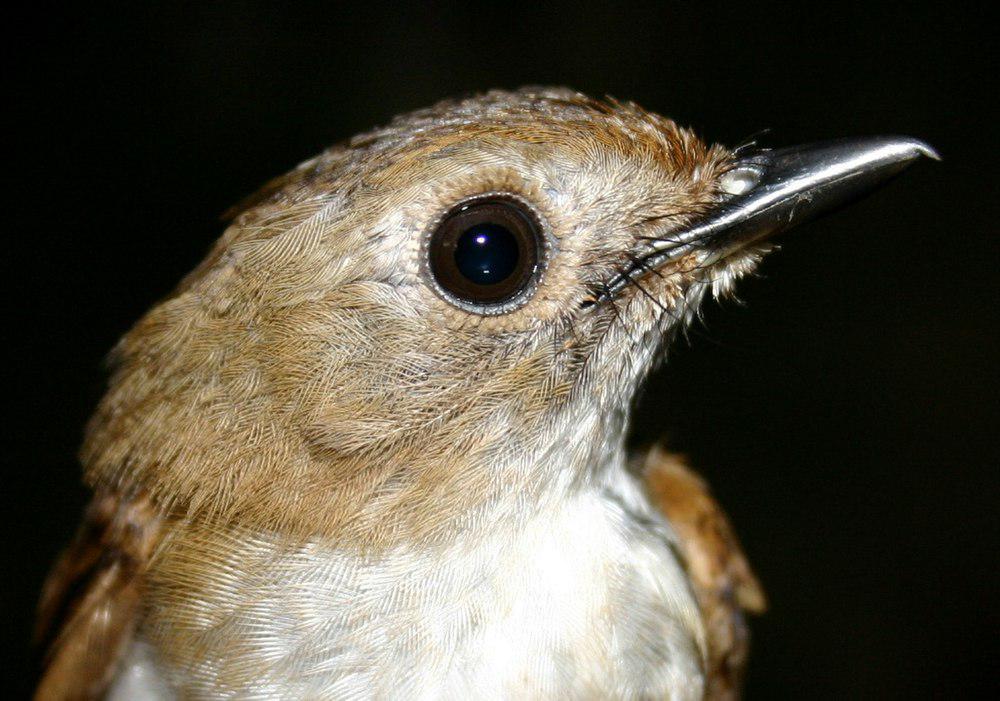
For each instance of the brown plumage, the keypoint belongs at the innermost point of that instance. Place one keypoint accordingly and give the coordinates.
(91, 600)
(722, 578)
(322, 472)
(279, 390)
(230, 362)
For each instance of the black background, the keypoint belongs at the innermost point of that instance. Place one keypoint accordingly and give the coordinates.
(846, 416)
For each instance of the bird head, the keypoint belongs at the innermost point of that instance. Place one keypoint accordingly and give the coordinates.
(444, 321)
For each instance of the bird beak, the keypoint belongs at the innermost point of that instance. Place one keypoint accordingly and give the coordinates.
(771, 191)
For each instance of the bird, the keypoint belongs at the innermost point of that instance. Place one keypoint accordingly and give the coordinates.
(375, 444)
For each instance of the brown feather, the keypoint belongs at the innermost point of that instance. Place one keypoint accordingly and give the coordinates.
(304, 381)
(304, 370)
(90, 600)
(723, 582)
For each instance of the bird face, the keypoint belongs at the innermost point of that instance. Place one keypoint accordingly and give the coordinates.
(445, 320)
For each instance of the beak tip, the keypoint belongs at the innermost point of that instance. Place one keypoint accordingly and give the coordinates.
(911, 149)
(930, 151)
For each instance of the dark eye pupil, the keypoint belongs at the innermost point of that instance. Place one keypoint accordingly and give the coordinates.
(487, 253)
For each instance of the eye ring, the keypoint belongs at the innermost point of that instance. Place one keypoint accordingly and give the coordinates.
(487, 253)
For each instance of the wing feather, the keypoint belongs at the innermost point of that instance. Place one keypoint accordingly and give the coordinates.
(723, 582)
(91, 599)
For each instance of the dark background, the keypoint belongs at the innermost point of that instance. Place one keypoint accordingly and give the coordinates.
(846, 417)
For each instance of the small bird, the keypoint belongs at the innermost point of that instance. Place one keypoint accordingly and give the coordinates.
(373, 446)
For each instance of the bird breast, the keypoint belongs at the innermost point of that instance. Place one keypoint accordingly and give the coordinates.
(582, 600)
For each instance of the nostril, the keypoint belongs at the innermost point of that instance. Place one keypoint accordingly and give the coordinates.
(739, 180)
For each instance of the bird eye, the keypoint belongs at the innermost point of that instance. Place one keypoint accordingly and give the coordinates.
(486, 253)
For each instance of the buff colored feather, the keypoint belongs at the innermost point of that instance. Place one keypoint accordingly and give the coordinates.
(352, 488)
